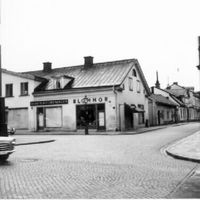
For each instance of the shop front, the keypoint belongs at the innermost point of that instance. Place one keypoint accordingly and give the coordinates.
(75, 113)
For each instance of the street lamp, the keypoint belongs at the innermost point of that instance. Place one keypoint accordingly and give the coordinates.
(3, 125)
(198, 67)
(85, 101)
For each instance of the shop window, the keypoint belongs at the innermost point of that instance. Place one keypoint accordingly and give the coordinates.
(141, 118)
(9, 90)
(130, 83)
(92, 115)
(24, 88)
(53, 117)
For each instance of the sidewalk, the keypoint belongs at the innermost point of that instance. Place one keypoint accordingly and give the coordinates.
(187, 149)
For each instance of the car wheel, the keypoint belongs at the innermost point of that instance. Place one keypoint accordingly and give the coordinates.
(3, 158)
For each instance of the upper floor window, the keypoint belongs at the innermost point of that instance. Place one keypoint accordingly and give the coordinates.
(9, 90)
(134, 73)
(130, 83)
(138, 86)
(24, 88)
(58, 85)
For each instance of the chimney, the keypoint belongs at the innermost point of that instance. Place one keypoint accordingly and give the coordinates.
(47, 67)
(175, 83)
(88, 61)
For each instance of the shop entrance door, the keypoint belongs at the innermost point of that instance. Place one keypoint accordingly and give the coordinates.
(101, 117)
(40, 118)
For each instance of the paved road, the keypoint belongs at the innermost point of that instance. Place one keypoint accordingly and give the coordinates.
(121, 166)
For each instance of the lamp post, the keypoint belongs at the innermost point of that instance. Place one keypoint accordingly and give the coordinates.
(198, 67)
(3, 125)
(85, 101)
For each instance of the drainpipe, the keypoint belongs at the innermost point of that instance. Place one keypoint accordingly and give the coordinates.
(116, 103)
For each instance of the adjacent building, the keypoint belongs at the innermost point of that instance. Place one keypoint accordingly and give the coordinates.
(17, 89)
(190, 99)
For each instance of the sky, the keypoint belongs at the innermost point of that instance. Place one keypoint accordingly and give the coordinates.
(161, 34)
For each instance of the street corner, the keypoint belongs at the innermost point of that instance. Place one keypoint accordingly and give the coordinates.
(187, 148)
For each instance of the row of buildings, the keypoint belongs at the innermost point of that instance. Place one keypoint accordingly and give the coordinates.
(109, 96)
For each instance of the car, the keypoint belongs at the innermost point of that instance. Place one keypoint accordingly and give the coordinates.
(7, 147)
(11, 130)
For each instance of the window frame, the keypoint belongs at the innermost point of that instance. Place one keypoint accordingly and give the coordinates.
(24, 89)
(9, 90)
(130, 83)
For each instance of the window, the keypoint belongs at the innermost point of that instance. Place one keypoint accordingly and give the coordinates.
(24, 88)
(138, 86)
(167, 114)
(9, 90)
(130, 83)
(58, 85)
(134, 73)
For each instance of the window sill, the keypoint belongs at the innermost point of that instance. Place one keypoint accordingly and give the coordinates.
(9, 96)
(24, 95)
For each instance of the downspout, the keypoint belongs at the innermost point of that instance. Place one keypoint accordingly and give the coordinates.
(116, 103)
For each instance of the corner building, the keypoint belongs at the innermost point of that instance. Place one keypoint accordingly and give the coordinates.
(108, 96)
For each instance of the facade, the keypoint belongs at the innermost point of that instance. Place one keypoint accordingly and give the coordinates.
(163, 108)
(17, 89)
(106, 96)
(189, 98)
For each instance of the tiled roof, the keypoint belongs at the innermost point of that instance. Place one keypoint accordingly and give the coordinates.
(98, 75)
(163, 100)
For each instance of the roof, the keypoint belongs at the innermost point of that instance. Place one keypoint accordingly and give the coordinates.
(98, 75)
(162, 100)
(22, 75)
(177, 92)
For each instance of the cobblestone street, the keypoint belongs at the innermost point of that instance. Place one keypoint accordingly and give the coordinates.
(97, 166)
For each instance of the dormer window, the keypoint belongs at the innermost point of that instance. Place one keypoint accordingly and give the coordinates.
(58, 85)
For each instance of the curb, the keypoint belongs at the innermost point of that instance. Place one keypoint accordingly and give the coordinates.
(179, 143)
(182, 157)
(38, 142)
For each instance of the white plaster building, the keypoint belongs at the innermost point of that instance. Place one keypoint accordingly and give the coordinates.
(107, 96)
(17, 89)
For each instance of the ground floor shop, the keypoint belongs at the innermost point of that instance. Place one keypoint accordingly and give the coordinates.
(99, 112)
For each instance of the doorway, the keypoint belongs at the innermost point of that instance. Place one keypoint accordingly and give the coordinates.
(92, 115)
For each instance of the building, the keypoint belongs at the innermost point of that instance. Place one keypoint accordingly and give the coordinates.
(17, 89)
(106, 96)
(165, 108)
(190, 99)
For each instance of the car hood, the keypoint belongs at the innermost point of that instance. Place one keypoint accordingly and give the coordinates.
(6, 139)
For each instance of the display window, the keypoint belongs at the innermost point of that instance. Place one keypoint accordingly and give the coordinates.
(91, 115)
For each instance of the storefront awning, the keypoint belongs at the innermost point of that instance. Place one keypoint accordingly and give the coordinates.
(135, 109)
(138, 110)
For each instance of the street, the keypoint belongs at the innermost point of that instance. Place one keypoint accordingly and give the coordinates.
(98, 166)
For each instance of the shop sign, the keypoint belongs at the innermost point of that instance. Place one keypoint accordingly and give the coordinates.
(86, 100)
(49, 102)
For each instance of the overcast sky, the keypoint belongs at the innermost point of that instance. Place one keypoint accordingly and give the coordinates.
(161, 34)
